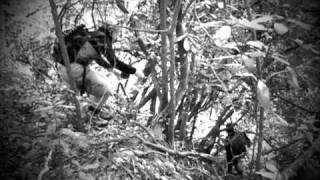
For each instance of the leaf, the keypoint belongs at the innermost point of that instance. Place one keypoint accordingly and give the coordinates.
(270, 165)
(209, 24)
(121, 6)
(249, 63)
(67, 106)
(220, 5)
(231, 45)
(252, 25)
(263, 19)
(157, 131)
(257, 54)
(42, 109)
(87, 167)
(84, 176)
(293, 76)
(267, 175)
(279, 59)
(280, 28)
(182, 37)
(186, 44)
(301, 24)
(257, 44)
(263, 95)
(75, 138)
(246, 74)
(224, 33)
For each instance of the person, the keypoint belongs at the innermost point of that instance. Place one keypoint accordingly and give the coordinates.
(83, 47)
(235, 147)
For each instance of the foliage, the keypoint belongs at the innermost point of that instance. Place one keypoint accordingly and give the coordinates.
(253, 63)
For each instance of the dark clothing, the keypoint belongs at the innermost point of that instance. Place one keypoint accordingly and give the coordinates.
(100, 40)
(235, 149)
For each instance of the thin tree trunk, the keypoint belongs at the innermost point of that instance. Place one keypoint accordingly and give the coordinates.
(172, 37)
(68, 15)
(184, 77)
(78, 121)
(163, 55)
(92, 14)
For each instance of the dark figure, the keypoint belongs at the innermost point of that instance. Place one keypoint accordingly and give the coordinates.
(235, 148)
(99, 48)
(83, 47)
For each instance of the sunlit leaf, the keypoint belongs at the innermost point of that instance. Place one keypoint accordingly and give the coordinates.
(231, 45)
(257, 44)
(280, 28)
(263, 19)
(193, 49)
(252, 25)
(157, 132)
(224, 33)
(257, 54)
(270, 165)
(263, 95)
(86, 167)
(220, 4)
(186, 44)
(180, 38)
(67, 106)
(249, 63)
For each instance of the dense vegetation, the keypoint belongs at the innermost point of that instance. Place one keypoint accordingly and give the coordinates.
(252, 63)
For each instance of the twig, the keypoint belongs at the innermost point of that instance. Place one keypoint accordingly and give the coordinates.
(128, 171)
(252, 54)
(297, 106)
(186, 9)
(159, 147)
(145, 129)
(137, 29)
(198, 170)
(46, 166)
(101, 102)
(283, 147)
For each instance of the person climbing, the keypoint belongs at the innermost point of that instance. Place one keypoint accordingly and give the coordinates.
(84, 47)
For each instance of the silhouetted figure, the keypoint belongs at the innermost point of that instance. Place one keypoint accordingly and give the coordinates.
(235, 148)
(85, 46)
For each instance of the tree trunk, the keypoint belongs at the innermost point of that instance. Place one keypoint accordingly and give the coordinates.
(78, 121)
(163, 55)
(184, 77)
(172, 37)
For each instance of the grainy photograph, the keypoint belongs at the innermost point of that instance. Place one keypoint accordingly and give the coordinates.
(159, 90)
